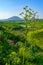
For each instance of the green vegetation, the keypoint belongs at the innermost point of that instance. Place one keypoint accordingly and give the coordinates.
(12, 43)
(21, 42)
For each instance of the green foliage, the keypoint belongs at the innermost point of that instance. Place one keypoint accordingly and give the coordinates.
(12, 44)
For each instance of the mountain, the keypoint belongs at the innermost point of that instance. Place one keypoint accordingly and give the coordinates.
(14, 18)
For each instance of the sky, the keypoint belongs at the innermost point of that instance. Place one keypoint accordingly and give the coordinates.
(9, 8)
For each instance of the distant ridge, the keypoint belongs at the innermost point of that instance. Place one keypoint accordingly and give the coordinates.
(14, 18)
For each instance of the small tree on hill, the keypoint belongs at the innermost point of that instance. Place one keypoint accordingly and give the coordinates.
(28, 15)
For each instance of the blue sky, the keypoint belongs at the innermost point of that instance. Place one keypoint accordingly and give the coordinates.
(10, 8)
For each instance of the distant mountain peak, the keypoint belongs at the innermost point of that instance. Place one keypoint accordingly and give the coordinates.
(14, 18)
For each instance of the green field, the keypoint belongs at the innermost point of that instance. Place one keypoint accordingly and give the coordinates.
(13, 50)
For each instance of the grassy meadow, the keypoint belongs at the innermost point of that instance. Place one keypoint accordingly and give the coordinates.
(13, 50)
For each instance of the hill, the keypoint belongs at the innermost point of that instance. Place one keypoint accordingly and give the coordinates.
(14, 18)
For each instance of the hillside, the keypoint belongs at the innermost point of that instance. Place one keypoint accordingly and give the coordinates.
(13, 50)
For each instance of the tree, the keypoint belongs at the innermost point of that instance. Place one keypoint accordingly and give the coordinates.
(28, 15)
